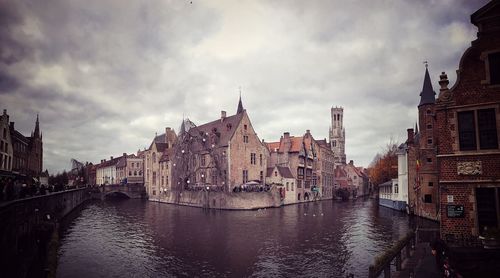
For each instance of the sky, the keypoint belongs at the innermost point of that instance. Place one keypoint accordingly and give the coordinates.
(105, 76)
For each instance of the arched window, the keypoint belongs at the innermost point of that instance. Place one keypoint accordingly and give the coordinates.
(154, 157)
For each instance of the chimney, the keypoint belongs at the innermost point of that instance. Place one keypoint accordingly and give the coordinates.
(124, 154)
(411, 135)
(222, 115)
(110, 158)
(351, 162)
(308, 131)
(5, 111)
(286, 135)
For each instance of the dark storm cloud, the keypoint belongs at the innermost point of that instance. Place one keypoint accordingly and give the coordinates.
(106, 76)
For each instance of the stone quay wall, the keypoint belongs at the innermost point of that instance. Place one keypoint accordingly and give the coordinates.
(222, 200)
(27, 226)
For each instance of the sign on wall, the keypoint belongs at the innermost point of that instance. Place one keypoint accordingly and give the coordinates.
(455, 211)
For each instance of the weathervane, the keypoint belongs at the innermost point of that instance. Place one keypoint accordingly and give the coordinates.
(426, 64)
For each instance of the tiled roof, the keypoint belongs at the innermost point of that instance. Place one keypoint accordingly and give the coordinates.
(340, 173)
(219, 131)
(166, 155)
(273, 146)
(108, 163)
(284, 172)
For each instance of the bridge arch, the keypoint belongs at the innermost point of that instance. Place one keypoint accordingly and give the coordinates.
(117, 194)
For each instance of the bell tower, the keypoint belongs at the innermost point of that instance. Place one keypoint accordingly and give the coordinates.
(337, 135)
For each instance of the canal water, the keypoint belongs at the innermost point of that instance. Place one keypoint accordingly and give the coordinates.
(134, 238)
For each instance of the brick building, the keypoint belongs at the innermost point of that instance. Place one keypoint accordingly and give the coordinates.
(468, 120)
(419, 160)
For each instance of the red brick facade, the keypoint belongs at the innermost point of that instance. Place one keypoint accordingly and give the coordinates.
(468, 148)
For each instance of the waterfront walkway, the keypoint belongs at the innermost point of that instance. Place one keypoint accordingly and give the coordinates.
(421, 264)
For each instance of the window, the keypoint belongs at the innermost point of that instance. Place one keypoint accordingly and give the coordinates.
(260, 159)
(166, 180)
(261, 176)
(4, 133)
(486, 129)
(429, 160)
(429, 141)
(203, 177)
(292, 186)
(287, 186)
(245, 176)
(486, 124)
(299, 184)
(253, 159)
(488, 209)
(154, 192)
(429, 126)
(245, 127)
(154, 157)
(431, 183)
(203, 161)
(245, 139)
(162, 180)
(275, 173)
(300, 173)
(1, 146)
(154, 178)
(396, 189)
(130, 173)
(466, 131)
(427, 198)
(494, 68)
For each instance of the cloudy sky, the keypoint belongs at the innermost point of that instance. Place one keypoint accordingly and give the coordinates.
(105, 76)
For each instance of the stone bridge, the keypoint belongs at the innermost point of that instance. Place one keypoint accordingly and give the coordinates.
(132, 190)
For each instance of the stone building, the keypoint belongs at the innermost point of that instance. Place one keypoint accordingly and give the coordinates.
(129, 170)
(337, 135)
(301, 155)
(224, 154)
(106, 171)
(358, 179)
(153, 161)
(283, 178)
(21, 157)
(6, 150)
(468, 121)
(326, 169)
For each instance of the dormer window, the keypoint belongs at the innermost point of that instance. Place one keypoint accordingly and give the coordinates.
(494, 68)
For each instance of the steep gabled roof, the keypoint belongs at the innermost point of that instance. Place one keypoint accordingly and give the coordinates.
(223, 129)
(283, 171)
(427, 96)
(273, 146)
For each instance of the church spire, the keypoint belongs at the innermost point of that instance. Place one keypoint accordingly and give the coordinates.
(427, 96)
(416, 128)
(36, 133)
(240, 105)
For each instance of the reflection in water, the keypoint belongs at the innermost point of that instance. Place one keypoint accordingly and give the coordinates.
(144, 239)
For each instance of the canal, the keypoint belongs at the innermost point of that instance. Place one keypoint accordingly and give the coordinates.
(134, 238)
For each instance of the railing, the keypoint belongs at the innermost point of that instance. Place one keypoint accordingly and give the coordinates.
(383, 262)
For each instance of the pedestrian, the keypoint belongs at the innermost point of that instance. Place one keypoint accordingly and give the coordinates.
(438, 250)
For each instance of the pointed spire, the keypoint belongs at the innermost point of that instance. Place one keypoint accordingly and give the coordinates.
(416, 128)
(427, 96)
(240, 105)
(36, 133)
